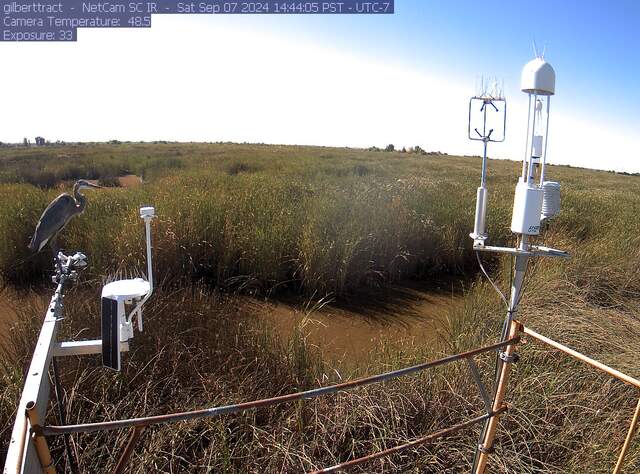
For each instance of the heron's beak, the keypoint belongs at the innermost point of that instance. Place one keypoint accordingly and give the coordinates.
(91, 185)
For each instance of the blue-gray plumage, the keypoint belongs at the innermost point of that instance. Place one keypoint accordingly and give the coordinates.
(57, 215)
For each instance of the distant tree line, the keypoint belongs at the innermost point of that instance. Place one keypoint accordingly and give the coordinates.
(418, 150)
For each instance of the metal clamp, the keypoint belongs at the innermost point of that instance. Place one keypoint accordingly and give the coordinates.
(484, 450)
(509, 359)
(67, 266)
(37, 430)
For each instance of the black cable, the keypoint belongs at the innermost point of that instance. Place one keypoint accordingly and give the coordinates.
(495, 287)
(61, 415)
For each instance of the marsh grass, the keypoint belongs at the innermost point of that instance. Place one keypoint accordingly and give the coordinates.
(303, 218)
(308, 219)
(205, 352)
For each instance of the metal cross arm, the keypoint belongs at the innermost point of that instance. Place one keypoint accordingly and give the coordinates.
(475, 373)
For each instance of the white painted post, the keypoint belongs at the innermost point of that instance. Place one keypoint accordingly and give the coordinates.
(21, 455)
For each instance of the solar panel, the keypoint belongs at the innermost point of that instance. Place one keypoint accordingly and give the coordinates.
(110, 334)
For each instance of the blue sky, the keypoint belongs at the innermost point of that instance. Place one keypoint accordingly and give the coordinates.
(593, 45)
(349, 80)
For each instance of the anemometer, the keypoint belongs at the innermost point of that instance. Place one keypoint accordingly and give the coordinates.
(491, 105)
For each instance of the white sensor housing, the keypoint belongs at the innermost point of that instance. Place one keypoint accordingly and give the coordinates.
(147, 212)
(538, 77)
(551, 200)
(537, 147)
(479, 234)
(527, 206)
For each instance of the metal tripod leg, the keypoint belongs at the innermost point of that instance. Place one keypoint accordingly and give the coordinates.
(504, 366)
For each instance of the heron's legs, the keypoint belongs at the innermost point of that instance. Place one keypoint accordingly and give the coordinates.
(54, 248)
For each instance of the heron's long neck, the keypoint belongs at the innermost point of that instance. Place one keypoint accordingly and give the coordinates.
(81, 201)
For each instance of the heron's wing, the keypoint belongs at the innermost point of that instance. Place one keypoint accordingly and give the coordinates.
(53, 219)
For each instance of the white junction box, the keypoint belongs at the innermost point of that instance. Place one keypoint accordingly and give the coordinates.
(527, 206)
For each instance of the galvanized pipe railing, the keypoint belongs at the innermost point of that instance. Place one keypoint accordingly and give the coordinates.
(581, 357)
(229, 409)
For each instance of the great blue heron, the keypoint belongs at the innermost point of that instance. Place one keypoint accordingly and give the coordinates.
(57, 215)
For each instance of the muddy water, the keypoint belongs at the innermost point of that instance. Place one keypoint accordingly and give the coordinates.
(349, 332)
(130, 181)
(126, 181)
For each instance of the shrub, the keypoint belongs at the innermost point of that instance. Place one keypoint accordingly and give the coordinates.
(237, 168)
(361, 170)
